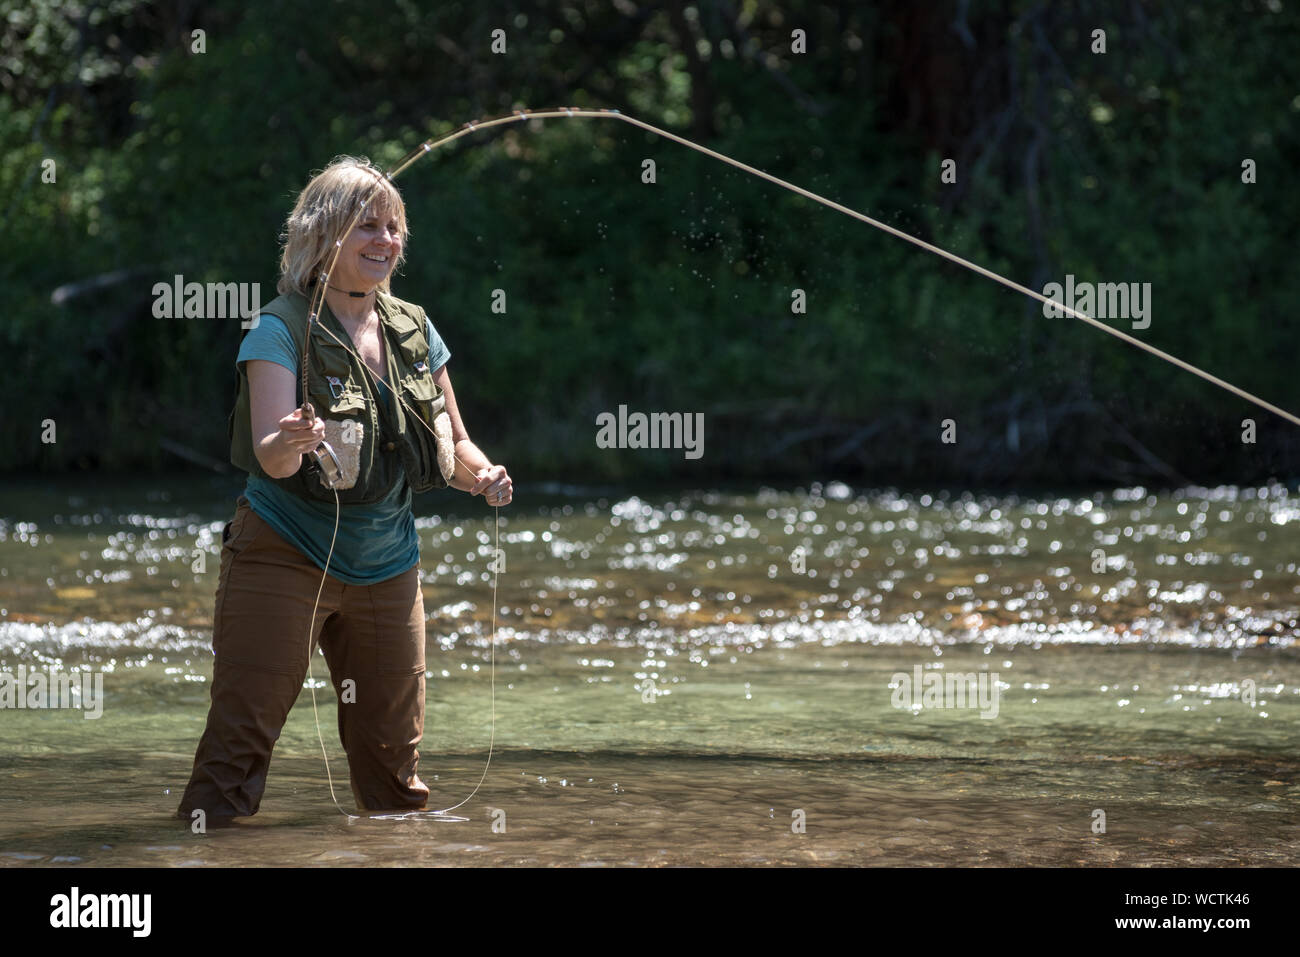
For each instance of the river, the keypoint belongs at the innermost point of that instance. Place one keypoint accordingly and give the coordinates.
(750, 675)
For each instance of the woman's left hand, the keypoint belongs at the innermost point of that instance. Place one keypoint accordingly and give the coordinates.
(494, 485)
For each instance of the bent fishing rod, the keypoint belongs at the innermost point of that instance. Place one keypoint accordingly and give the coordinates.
(324, 456)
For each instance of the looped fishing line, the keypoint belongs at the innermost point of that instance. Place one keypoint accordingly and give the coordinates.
(443, 814)
(429, 146)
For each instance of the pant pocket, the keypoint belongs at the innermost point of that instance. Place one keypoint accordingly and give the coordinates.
(260, 619)
(242, 530)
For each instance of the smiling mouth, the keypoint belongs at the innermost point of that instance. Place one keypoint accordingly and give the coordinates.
(374, 259)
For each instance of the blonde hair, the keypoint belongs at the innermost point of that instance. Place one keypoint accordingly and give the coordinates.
(324, 209)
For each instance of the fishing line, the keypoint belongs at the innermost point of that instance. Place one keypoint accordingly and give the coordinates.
(443, 814)
(430, 145)
(311, 681)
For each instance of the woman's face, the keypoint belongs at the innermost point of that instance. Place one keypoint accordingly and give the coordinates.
(369, 253)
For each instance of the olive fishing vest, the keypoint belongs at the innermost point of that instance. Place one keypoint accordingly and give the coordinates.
(380, 434)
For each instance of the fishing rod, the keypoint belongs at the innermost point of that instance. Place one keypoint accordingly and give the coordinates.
(326, 459)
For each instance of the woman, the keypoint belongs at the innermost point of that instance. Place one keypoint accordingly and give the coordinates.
(376, 382)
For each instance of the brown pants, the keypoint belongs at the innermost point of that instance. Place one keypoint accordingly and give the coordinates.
(372, 637)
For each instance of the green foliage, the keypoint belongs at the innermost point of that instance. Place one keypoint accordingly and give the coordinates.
(676, 296)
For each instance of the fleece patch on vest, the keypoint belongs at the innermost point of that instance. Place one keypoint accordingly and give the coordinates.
(446, 459)
(346, 439)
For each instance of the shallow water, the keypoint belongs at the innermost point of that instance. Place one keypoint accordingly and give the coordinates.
(671, 689)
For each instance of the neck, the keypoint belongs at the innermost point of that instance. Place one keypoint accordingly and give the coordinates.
(348, 308)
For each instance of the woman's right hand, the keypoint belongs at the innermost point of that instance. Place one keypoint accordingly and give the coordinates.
(299, 435)
(282, 450)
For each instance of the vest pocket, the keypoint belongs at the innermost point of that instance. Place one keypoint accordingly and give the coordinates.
(425, 395)
(430, 403)
(342, 406)
(329, 375)
(344, 399)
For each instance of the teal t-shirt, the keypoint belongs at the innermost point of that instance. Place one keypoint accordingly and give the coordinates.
(375, 542)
